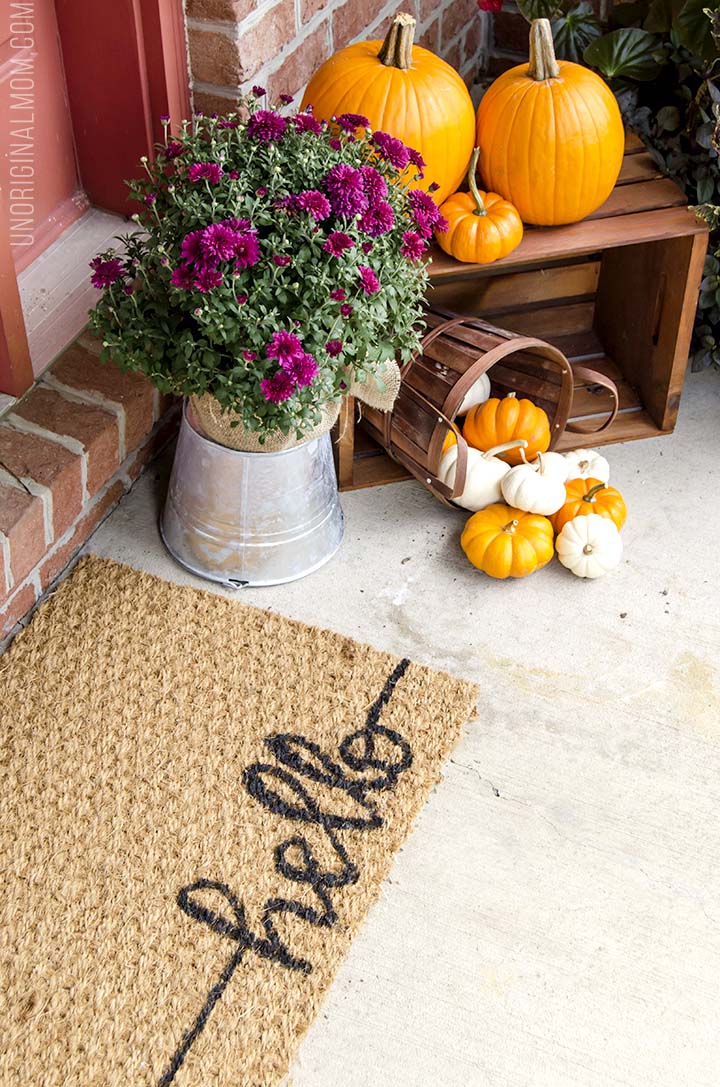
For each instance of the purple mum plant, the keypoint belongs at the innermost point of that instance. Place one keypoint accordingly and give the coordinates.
(280, 259)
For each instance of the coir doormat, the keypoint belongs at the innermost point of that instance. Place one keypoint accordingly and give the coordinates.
(200, 802)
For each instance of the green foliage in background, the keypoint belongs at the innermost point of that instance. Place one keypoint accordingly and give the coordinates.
(662, 60)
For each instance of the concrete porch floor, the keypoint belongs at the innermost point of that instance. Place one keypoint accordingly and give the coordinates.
(554, 919)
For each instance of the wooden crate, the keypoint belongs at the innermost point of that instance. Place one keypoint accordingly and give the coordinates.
(616, 291)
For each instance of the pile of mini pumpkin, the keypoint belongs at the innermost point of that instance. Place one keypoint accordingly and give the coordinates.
(529, 503)
(548, 138)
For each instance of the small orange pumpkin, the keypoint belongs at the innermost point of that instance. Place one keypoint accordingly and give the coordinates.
(505, 542)
(498, 421)
(482, 226)
(586, 496)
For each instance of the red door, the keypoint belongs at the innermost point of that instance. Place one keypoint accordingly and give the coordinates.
(97, 75)
(38, 169)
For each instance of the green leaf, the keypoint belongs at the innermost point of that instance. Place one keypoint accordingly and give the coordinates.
(539, 9)
(661, 14)
(574, 31)
(625, 54)
(695, 30)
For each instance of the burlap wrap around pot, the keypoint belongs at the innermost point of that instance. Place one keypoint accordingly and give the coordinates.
(378, 391)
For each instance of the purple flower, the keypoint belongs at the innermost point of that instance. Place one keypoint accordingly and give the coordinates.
(344, 187)
(150, 199)
(350, 121)
(337, 242)
(250, 356)
(374, 183)
(433, 186)
(417, 160)
(442, 225)
(284, 346)
(240, 225)
(305, 122)
(378, 219)
(218, 242)
(334, 348)
(247, 250)
(346, 309)
(164, 118)
(206, 279)
(233, 175)
(280, 260)
(224, 123)
(277, 388)
(338, 295)
(367, 247)
(262, 191)
(303, 370)
(258, 91)
(368, 280)
(335, 144)
(413, 245)
(182, 277)
(209, 171)
(191, 249)
(426, 213)
(391, 149)
(286, 99)
(173, 149)
(105, 272)
(241, 299)
(266, 125)
(128, 289)
(315, 204)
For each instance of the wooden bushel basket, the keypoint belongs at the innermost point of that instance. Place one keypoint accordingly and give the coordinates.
(454, 353)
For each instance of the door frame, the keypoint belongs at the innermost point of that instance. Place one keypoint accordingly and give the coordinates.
(152, 48)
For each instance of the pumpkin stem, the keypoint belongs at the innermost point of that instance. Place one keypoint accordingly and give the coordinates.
(510, 526)
(587, 549)
(543, 64)
(590, 496)
(505, 446)
(480, 208)
(396, 50)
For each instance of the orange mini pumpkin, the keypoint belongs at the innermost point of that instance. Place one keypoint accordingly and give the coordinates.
(482, 226)
(586, 496)
(498, 421)
(505, 542)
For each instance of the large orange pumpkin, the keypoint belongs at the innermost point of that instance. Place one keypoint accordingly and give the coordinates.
(407, 91)
(586, 496)
(498, 421)
(551, 136)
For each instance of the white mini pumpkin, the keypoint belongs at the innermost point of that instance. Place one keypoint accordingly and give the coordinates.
(483, 477)
(589, 546)
(587, 464)
(478, 393)
(533, 488)
(554, 464)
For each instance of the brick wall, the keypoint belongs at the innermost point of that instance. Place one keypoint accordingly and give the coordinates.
(505, 40)
(279, 43)
(69, 450)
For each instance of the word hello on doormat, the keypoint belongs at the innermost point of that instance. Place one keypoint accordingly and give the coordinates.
(298, 763)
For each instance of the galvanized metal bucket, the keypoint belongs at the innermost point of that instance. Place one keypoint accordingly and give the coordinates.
(251, 518)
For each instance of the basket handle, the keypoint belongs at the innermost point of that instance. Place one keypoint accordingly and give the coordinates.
(594, 377)
(441, 490)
